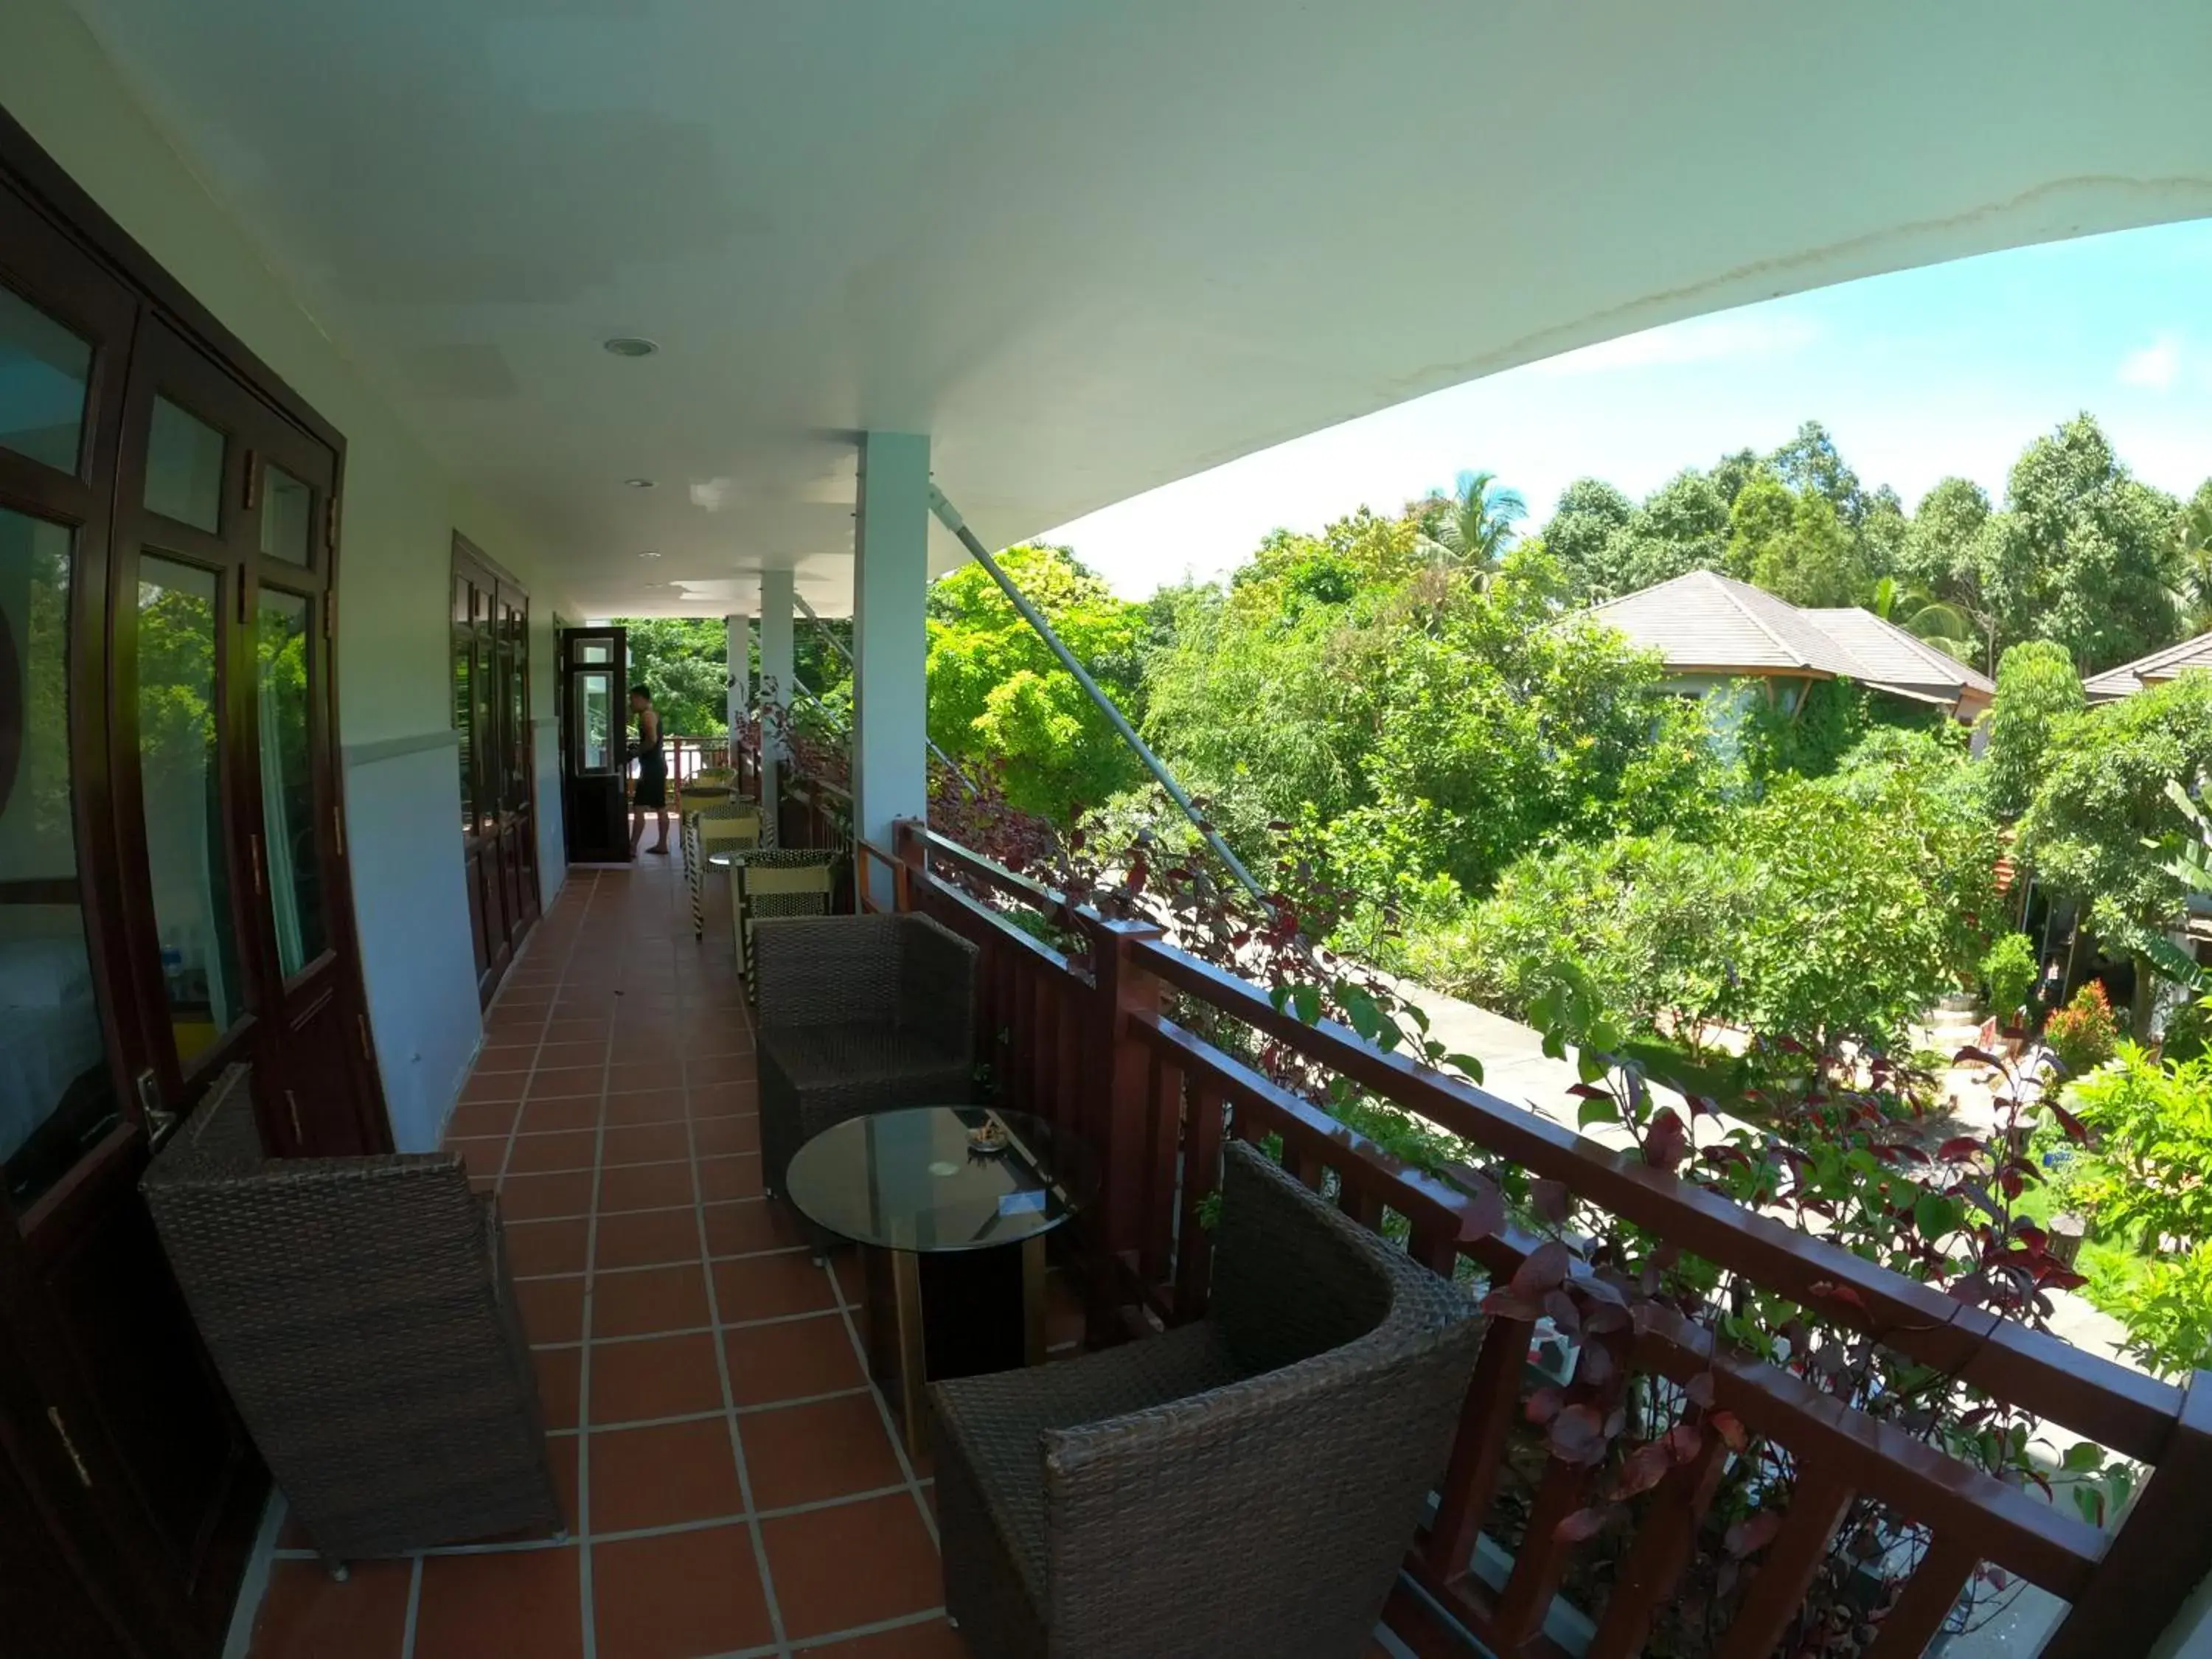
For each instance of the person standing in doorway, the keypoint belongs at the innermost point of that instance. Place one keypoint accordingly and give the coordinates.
(652, 793)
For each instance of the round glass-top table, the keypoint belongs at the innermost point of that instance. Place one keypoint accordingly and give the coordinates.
(932, 1193)
(916, 1179)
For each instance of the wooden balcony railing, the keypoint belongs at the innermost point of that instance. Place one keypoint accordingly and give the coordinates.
(1087, 1043)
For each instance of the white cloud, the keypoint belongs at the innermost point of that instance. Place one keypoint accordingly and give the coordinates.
(2157, 366)
(1699, 340)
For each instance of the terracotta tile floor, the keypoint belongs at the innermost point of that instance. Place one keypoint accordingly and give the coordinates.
(735, 1488)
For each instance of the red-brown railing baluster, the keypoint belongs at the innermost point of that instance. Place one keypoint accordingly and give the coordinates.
(1201, 1174)
(1817, 1503)
(1665, 1532)
(1486, 1420)
(1927, 1599)
(1122, 998)
(1359, 1201)
(1036, 1002)
(1163, 1147)
(1542, 1561)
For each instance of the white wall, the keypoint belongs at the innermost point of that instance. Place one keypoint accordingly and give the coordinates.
(399, 514)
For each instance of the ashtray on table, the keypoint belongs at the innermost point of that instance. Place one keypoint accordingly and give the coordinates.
(990, 1137)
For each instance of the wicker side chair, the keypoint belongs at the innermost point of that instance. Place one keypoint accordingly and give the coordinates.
(778, 881)
(858, 1014)
(1087, 1508)
(361, 1313)
(707, 830)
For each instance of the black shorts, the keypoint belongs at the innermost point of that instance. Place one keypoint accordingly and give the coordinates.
(652, 791)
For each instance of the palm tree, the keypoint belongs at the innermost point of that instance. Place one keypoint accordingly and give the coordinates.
(1949, 628)
(1470, 529)
(2192, 593)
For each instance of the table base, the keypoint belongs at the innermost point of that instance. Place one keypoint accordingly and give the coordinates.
(943, 1314)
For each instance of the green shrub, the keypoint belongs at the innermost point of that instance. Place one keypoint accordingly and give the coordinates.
(2009, 971)
(2168, 1310)
(2150, 1127)
(2083, 1034)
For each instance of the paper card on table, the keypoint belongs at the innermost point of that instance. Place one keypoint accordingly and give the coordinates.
(1021, 1203)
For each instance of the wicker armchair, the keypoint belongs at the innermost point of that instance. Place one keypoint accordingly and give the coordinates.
(1246, 1484)
(360, 1313)
(858, 1014)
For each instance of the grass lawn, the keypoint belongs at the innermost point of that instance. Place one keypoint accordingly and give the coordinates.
(2110, 1265)
(1718, 1077)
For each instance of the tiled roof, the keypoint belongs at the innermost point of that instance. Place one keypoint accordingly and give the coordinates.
(1704, 620)
(1706, 623)
(1894, 658)
(2160, 666)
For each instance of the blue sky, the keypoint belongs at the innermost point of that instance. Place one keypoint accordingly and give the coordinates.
(1949, 369)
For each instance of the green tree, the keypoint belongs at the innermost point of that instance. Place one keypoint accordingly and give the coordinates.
(2036, 689)
(1942, 553)
(1472, 527)
(1734, 469)
(1761, 512)
(1882, 531)
(998, 696)
(1949, 628)
(1591, 514)
(2192, 547)
(1870, 902)
(2083, 553)
(2096, 830)
(685, 662)
(1815, 562)
(1810, 465)
(1682, 525)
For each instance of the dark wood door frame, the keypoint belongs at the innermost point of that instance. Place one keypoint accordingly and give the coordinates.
(84, 1405)
(499, 834)
(595, 798)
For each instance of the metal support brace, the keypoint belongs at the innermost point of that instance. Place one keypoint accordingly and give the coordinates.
(949, 516)
(838, 646)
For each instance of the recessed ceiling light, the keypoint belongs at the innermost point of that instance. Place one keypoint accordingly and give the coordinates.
(629, 345)
(648, 554)
(639, 483)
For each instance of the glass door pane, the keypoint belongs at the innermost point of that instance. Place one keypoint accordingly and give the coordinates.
(288, 779)
(181, 779)
(595, 719)
(464, 698)
(184, 468)
(57, 1098)
(44, 370)
(288, 516)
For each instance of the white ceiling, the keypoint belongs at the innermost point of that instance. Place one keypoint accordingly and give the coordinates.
(1089, 247)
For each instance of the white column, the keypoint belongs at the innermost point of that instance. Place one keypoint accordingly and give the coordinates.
(776, 615)
(737, 634)
(891, 640)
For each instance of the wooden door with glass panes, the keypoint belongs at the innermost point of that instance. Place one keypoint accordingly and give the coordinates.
(491, 716)
(223, 752)
(122, 1452)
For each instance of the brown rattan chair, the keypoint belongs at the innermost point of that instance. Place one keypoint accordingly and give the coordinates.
(1245, 1485)
(361, 1313)
(858, 1014)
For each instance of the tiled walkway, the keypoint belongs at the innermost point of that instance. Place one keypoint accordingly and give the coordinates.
(732, 1482)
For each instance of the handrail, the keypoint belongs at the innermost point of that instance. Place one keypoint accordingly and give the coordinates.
(2131, 1413)
(992, 873)
(2028, 1537)
(1095, 1047)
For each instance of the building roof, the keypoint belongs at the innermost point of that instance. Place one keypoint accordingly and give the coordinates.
(1898, 661)
(1704, 622)
(2156, 669)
